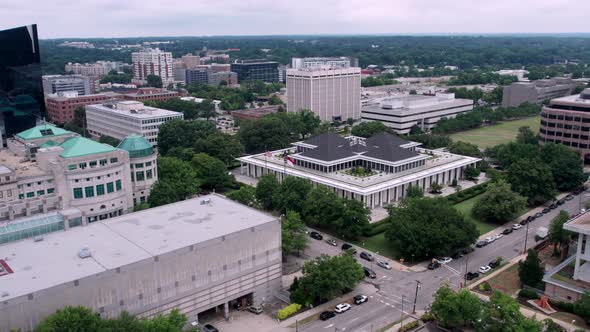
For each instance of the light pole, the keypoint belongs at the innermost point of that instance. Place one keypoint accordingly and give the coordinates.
(416, 296)
(402, 318)
(466, 271)
(526, 237)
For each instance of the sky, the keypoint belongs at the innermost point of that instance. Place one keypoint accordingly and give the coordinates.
(138, 18)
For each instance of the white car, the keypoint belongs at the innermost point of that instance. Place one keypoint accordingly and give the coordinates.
(342, 307)
(484, 269)
(384, 265)
(516, 226)
(490, 239)
(445, 260)
(498, 236)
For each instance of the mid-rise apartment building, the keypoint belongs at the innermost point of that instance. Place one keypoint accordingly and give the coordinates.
(149, 94)
(536, 92)
(229, 77)
(119, 119)
(83, 85)
(191, 61)
(334, 94)
(332, 62)
(197, 76)
(256, 70)
(566, 121)
(152, 62)
(87, 69)
(61, 106)
(403, 113)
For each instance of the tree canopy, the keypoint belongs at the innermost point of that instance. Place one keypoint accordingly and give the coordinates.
(368, 129)
(154, 81)
(558, 236)
(530, 271)
(532, 179)
(499, 203)
(211, 172)
(456, 309)
(176, 181)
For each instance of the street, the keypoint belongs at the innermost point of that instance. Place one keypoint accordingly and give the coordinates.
(385, 305)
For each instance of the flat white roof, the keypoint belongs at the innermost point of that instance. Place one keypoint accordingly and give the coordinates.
(121, 241)
(146, 112)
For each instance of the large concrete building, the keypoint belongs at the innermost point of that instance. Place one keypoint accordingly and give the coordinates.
(333, 94)
(332, 62)
(391, 165)
(256, 70)
(194, 255)
(566, 121)
(403, 113)
(83, 85)
(536, 92)
(152, 62)
(119, 119)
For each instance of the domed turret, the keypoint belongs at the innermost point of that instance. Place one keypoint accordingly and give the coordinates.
(137, 146)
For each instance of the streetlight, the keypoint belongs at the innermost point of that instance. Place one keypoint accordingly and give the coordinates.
(415, 296)
(526, 237)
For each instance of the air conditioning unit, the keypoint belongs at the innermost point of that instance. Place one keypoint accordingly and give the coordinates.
(84, 253)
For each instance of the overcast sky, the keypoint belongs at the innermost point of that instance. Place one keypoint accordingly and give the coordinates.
(128, 18)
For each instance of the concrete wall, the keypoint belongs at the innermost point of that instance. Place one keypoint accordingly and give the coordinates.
(192, 279)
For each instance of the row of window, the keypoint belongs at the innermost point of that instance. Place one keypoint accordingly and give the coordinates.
(566, 143)
(164, 119)
(97, 178)
(565, 117)
(99, 190)
(92, 164)
(563, 134)
(30, 184)
(140, 165)
(141, 176)
(564, 126)
(31, 194)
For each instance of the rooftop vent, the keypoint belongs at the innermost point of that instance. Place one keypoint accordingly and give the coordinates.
(206, 201)
(38, 238)
(84, 253)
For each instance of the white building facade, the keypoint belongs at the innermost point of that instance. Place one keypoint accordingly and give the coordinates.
(152, 62)
(315, 62)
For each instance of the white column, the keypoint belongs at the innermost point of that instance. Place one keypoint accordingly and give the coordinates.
(578, 254)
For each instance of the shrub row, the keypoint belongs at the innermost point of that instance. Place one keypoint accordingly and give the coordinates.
(409, 326)
(468, 193)
(528, 294)
(377, 227)
(288, 311)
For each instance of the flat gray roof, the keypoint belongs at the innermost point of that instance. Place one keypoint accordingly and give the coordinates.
(121, 241)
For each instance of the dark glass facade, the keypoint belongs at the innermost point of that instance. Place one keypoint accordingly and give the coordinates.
(21, 87)
(256, 71)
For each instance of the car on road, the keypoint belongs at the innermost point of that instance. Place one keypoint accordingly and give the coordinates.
(327, 315)
(384, 265)
(553, 206)
(369, 273)
(445, 260)
(530, 218)
(484, 269)
(316, 235)
(499, 236)
(560, 202)
(569, 197)
(434, 265)
(331, 242)
(342, 307)
(359, 299)
(490, 239)
(509, 230)
(471, 275)
(256, 309)
(348, 247)
(516, 226)
(209, 328)
(457, 254)
(546, 210)
(495, 263)
(538, 215)
(481, 244)
(367, 256)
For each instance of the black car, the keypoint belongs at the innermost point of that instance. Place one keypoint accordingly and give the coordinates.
(367, 256)
(494, 264)
(471, 275)
(433, 265)
(560, 202)
(210, 328)
(316, 235)
(553, 206)
(327, 315)
(457, 254)
(569, 197)
(467, 250)
(538, 215)
(348, 247)
(546, 210)
(530, 218)
(507, 231)
(481, 244)
(369, 273)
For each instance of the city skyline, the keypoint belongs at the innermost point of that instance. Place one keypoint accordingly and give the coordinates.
(264, 17)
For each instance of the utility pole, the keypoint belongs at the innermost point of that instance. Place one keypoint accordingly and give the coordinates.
(526, 237)
(416, 296)
(402, 318)
(466, 271)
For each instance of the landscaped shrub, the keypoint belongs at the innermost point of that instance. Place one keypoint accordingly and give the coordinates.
(377, 227)
(288, 311)
(563, 306)
(485, 287)
(468, 193)
(427, 317)
(409, 326)
(528, 294)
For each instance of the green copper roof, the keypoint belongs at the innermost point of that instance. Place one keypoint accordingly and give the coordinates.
(137, 146)
(45, 130)
(49, 143)
(24, 99)
(80, 146)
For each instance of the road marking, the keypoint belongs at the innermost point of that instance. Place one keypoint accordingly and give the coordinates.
(354, 319)
(329, 326)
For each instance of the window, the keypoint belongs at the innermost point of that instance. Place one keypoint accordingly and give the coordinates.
(103, 162)
(139, 176)
(114, 160)
(118, 185)
(21, 196)
(50, 190)
(30, 194)
(93, 163)
(139, 165)
(100, 190)
(148, 174)
(78, 193)
(89, 191)
(82, 165)
(110, 187)
(147, 164)
(1, 194)
(40, 192)
(72, 167)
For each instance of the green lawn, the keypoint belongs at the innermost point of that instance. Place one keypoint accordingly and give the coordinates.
(466, 206)
(377, 244)
(496, 134)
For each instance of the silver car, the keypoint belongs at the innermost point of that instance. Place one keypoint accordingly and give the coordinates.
(384, 265)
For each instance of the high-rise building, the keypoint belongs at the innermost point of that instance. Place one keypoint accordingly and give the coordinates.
(536, 92)
(21, 89)
(333, 62)
(332, 94)
(83, 85)
(191, 61)
(256, 70)
(152, 62)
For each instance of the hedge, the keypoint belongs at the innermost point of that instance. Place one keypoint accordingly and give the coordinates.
(528, 294)
(377, 227)
(409, 326)
(288, 311)
(468, 193)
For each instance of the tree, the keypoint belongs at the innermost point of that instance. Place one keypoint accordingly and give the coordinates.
(466, 149)
(176, 181)
(264, 134)
(582, 306)
(565, 164)
(353, 221)
(245, 195)
(429, 227)
(293, 233)
(182, 134)
(502, 314)
(325, 277)
(154, 81)
(436, 188)
(511, 152)
(267, 190)
(221, 146)
(322, 208)
(471, 173)
(368, 129)
(526, 136)
(275, 100)
(558, 236)
(109, 140)
(292, 194)
(72, 319)
(532, 179)
(530, 271)
(414, 192)
(211, 172)
(498, 204)
(455, 309)
(310, 122)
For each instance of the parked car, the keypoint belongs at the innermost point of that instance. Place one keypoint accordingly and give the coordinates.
(516, 226)
(316, 235)
(434, 265)
(523, 222)
(332, 242)
(256, 309)
(367, 256)
(342, 307)
(349, 247)
(484, 269)
(546, 210)
(467, 250)
(509, 230)
(369, 273)
(530, 218)
(495, 263)
(471, 275)
(457, 254)
(490, 239)
(499, 236)
(560, 202)
(481, 244)
(209, 328)
(553, 206)
(359, 299)
(327, 315)
(384, 265)
(538, 215)
(445, 260)
(569, 197)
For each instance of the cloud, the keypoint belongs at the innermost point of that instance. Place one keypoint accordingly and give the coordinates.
(122, 18)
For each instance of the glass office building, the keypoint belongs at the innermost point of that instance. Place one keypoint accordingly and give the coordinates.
(21, 87)
(256, 70)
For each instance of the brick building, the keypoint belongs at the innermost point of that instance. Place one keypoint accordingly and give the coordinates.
(60, 107)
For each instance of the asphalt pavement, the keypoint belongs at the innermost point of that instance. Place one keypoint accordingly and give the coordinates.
(385, 306)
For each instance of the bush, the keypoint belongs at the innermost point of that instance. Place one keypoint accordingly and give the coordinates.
(288, 311)
(563, 306)
(528, 294)
(467, 193)
(485, 287)
(377, 227)
(427, 317)
(409, 326)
